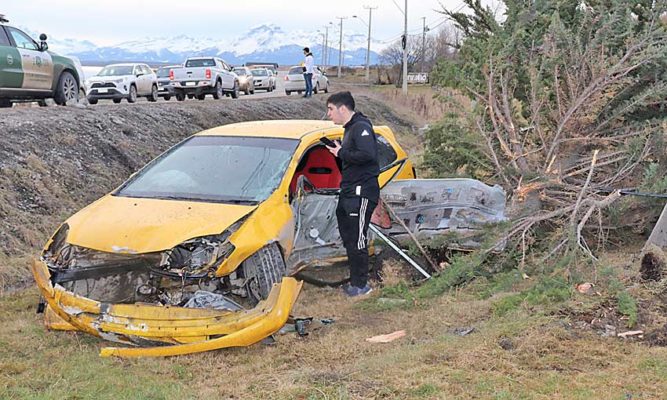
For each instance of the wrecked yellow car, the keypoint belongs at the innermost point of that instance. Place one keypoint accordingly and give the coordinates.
(225, 216)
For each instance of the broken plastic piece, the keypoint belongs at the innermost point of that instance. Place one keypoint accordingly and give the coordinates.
(171, 330)
(390, 337)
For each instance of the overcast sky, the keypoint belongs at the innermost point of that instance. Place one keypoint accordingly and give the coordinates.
(107, 22)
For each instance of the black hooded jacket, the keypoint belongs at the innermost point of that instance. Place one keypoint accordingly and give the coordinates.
(359, 155)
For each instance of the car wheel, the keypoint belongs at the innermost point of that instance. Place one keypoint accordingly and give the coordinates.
(191, 96)
(67, 89)
(218, 91)
(262, 270)
(153, 96)
(201, 96)
(180, 97)
(132, 96)
(235, 92)
(316, 88)
(287, 92)
(5, 103)
(326, 88)
(92, 101)
(167, 97)
(117, 101)
(252, 91)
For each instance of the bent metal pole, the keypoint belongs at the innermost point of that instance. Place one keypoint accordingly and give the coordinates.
(399, 251)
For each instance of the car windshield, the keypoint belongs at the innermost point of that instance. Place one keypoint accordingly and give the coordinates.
(114, 70)
(259, 72)
(242, 170)
(295, 71)
(205, 62)
(240, 71)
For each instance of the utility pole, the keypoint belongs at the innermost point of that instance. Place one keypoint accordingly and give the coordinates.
(325, 50)
(405, 50)
(324, 43)
(425, 29)
(368, 49)
(340, 45)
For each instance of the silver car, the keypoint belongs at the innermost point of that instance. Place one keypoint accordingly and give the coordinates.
(123, 81)
(264, 79)
(246, 80)
(294, 81)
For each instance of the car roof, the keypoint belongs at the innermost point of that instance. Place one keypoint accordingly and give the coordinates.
(124, 65)
(287, 129)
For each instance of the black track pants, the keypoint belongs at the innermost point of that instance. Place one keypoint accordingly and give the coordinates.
(354, 215)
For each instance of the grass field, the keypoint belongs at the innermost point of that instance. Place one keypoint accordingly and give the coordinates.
(521, 349)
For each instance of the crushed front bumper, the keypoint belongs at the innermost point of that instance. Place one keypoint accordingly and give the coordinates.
(165, 330)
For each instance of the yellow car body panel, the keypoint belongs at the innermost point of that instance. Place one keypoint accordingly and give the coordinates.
(137, 225)
(189, 330)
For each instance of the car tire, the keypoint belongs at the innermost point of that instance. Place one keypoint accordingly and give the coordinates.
(153, 96)
(218, 91)
(252, 91)
(67, 89)
(262, 270)
(117, 101)
(287, 92)
(235, 91)
(132, 96)
(191, 96)
(316, 89)
(201, 96)
(167, 97)
(180, 97)
(5, 103)
(326, 88)
(92, 101)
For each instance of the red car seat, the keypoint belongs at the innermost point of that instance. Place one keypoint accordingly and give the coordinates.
(320, 168)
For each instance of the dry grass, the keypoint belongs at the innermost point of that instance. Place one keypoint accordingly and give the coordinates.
(522, 355)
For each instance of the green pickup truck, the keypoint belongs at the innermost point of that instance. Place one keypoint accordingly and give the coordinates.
(28, 72)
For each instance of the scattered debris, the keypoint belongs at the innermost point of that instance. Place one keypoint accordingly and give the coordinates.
(463, 331)
(631, 333)
(585, 288)
(204, 299)
(390, 337)
(506, 343)
(609, 331)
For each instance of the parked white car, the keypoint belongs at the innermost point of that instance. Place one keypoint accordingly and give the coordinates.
(294, 81)
(123, 81)
(264, 79)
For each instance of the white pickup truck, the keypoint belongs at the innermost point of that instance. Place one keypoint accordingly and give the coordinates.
(200, 76)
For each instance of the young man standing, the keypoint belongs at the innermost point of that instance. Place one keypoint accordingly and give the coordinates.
(308, 70)
(359, 188)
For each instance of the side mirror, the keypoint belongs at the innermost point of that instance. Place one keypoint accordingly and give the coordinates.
(43, 46)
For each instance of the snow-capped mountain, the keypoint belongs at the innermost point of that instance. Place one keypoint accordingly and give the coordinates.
(267, 43)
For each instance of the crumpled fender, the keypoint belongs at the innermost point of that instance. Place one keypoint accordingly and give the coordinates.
(167, 330)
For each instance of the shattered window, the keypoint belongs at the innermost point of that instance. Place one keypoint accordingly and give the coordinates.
(215, 168)
(386, 153)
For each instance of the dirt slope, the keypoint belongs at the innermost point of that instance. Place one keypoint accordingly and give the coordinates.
(55, 160)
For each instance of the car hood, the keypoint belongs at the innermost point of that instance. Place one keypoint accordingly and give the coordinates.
(134, 225)
(108, 78)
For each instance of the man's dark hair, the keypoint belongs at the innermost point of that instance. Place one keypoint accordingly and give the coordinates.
(306, 49)
(342, 99)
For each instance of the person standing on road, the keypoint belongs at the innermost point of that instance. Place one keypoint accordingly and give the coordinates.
(308, 70)
(359, 188)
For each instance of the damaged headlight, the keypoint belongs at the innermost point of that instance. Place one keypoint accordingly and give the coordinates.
(199, 256)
